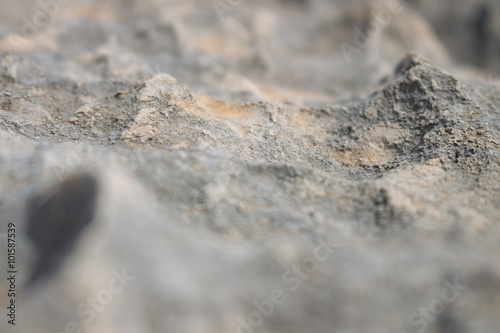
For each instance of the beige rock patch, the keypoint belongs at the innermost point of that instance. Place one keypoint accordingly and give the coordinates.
(223, 109)
(143, 128)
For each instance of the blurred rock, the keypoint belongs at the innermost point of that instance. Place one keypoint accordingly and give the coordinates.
(470, 29)
(167, 170)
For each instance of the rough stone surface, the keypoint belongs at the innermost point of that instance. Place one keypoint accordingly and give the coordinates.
(213, 165)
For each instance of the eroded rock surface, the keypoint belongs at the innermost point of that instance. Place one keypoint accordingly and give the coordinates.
(182, 171)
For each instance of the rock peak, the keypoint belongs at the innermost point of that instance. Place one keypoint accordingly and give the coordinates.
(412, 60)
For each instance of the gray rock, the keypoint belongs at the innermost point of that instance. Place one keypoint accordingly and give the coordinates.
(248, 182)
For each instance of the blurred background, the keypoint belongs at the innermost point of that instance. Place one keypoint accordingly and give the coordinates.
(298, 51)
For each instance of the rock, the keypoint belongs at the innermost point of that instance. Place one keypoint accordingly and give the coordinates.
(467, 25)
(168, 169)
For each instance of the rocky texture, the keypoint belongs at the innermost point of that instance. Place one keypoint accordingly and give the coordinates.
(221, 163)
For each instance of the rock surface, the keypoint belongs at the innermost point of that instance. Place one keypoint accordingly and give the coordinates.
(173, 166)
